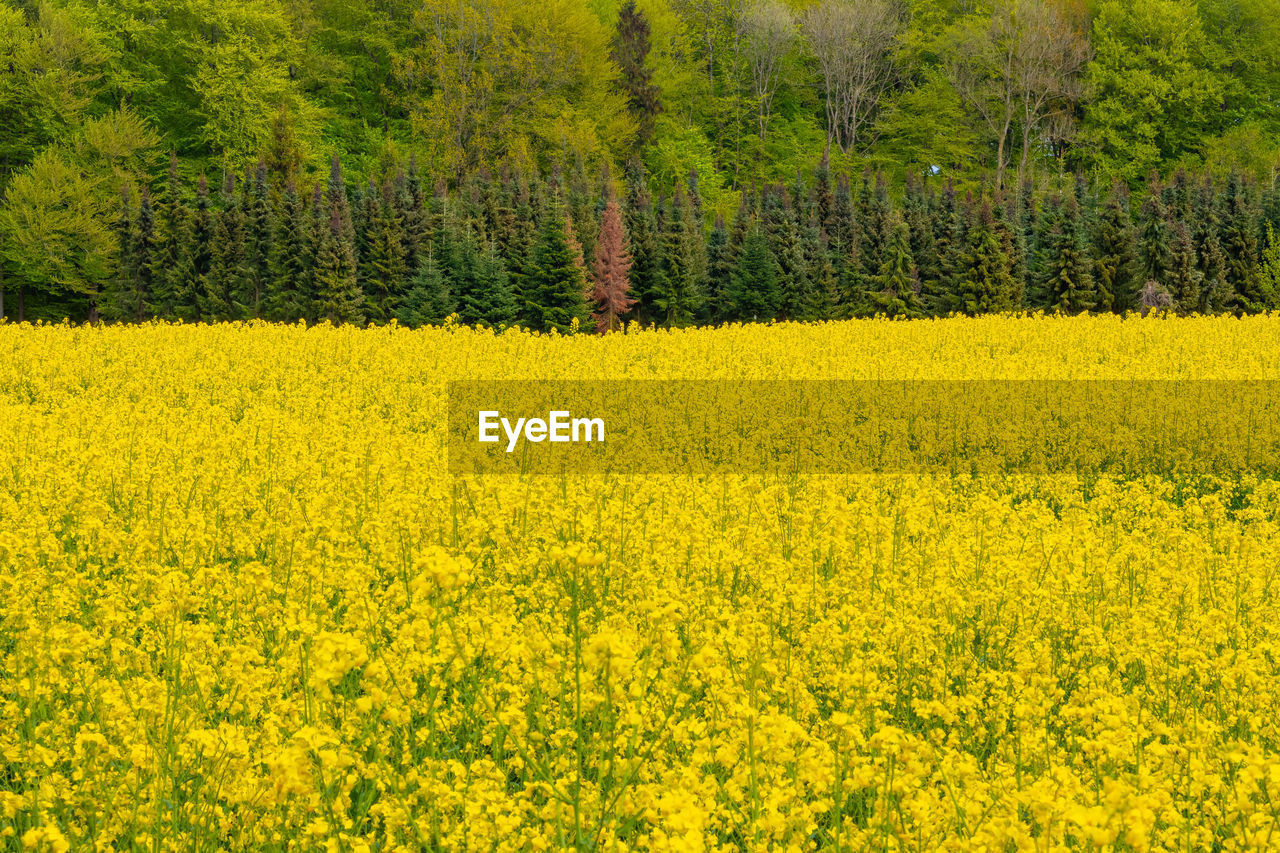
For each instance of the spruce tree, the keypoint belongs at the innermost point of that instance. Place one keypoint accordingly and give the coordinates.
(897, 282)
(115, 302)
(1240, 240)
(258, 230)
(1115, 254)
(288, 296)
(648, 278)
(1153, 237)
(428, 300)
(192, 290)
(781, 226)
(225, 280)
(1185, 278)
(169, 264)
(384, 262)
(555, 290)
(338, 295)
(142, 251)
(941, 296)
(984, 282)
(720, 263)
(755, 289)
(611, 270)
(630, 51)
(1063, 269)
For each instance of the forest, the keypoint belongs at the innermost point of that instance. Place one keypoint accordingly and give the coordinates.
(588, 163)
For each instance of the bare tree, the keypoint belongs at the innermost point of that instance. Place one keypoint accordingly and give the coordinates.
(1019, 69)
(853, 43)
(767, 31)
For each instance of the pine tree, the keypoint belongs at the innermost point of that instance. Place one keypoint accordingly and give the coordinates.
(258, 229)
(612, 268)
(631, 47)
(1185, 278)
(1063, 269)
(288, 297)
(137, 299)
(720, 264)
(384, 261)
(898, 293)
(428, 300)
(1153, 238)
(225, 280)
(984, 282)
(338, 295)
(1240, 240)
(1115, 254)
(170, 272)
(648, 279)
(555, 290)
(755, 290)
(192, 290)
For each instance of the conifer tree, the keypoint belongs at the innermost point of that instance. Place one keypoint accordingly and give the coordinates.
(1185, 278)
(169, 263)
(984, 282)
(555, 289)
(648, 279)
(781, 226)
(1115, 254)
(898, 286)
(137, 298)
(115, 301)
(192, 289)
(720, 264)
(225, 280)
(611, 292)
(1271, 260)
(384, 261)
(258, 229)
(338, 295)
(755, 290)
(919, 216)
(941, 296)
(428, 300)
(288, 297)
(1240, 241)
(1153, 237)
(680, 297)
(1064, 276)
(489, 297)
(631, 47)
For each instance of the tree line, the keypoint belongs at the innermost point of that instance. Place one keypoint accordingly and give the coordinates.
(577, 253)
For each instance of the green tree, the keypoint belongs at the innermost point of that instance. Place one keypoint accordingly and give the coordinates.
(755, 290)
(555, 291)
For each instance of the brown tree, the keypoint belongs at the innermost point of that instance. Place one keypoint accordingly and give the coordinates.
(612, 267)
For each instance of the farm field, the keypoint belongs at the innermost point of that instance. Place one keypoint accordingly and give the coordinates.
(244, 605)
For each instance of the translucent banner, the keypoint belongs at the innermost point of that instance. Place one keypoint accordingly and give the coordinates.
(841, 427)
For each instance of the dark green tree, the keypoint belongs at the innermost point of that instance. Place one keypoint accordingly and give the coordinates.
(755, 290)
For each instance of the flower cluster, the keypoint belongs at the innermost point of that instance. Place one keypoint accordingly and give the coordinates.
(246, 607)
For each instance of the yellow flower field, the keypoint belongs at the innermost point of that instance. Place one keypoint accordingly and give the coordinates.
(245, 606)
